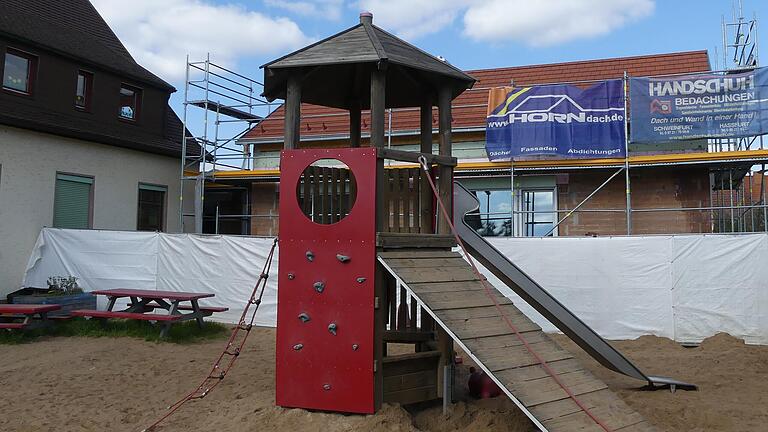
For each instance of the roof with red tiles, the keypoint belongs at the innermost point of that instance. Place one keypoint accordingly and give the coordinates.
(470, 108)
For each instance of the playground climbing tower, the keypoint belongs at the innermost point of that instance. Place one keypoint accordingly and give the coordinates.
(337, 308)
(366, 260)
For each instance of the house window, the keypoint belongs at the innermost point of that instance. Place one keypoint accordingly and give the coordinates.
(83, 90)
(537, 212)
(495, 217)
(151, 214)
(19, 71)
(73, 201)
(130, 102)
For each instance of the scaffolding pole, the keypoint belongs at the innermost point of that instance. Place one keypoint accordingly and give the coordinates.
(626, 155)
(214, 127)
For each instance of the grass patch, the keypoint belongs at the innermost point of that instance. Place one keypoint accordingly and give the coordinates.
(183, 332)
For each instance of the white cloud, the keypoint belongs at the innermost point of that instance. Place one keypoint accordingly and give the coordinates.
(329, 9)
(536, 23)
(552, 21)
(413, 18)
(159, 34)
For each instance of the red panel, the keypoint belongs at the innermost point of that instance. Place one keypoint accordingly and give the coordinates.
(327, 373)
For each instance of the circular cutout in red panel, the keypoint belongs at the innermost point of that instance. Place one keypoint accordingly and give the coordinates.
(326, 191)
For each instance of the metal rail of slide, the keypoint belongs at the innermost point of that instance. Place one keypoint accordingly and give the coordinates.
(542, 301)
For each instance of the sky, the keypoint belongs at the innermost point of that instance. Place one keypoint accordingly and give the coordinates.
(471, 34)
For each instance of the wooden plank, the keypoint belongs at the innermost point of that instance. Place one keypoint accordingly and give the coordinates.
(343, 193)
(392, 301)
(411, 396)
(479, 345)
(545, 390)
(426, 378)
(564, 407)
(413, 157)
(334, 207)
(406, 240)
(316, 201)
(512, 313)
(397, 196)
(408, 336)
(614, 418)
(326, 197)
(482, 327)
(399, 263)
(410, 363)
(501, 359)
(307, 176)
(462, 300)
(407, 201)
(446, 287)
(537, 371)
(418, 254)
(402, 310)
(384, 199)
(448, 274)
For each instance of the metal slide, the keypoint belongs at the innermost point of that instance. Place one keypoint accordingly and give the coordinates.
(523, 285)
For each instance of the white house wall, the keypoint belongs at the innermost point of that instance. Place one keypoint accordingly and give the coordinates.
(29, 162)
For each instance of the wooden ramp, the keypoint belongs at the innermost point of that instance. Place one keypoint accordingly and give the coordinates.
(444, 284)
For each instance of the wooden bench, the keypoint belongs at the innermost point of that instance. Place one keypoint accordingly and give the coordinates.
(143, 304)
(209, 310)
(11, 313)
(124, 315)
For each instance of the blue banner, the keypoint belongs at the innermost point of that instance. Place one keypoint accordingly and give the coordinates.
(698, 106)
(560, 120)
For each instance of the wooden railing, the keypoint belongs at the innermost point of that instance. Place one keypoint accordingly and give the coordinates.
(407, 204)
(404, 314)
(326, 194)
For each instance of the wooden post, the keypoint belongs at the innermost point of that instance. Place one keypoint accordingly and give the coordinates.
(292, 114)
(446, 172)
(427, 215)
(378, 105)
(354, 124)
(444, 341)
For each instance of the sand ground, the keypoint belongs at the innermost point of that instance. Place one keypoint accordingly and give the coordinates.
(106, 384)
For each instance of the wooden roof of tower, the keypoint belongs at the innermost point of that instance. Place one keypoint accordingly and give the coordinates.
(336, 71)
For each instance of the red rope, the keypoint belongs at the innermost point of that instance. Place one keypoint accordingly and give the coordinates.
(539, 359)
(232, 349)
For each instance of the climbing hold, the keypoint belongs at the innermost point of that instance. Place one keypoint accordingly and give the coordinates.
(326, 387)
(310, 256)
(332, 328)
(291, 276)
(361, 280)
(355, 347)
(319, 286)
(304, 317)
(342, 258)
(297, 347)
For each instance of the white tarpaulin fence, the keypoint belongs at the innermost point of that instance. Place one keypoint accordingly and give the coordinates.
(685, 288)
(228, 266)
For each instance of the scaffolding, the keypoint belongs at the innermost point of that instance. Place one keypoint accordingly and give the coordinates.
(220, 106)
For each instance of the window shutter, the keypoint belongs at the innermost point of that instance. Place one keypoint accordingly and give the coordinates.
(72, 203)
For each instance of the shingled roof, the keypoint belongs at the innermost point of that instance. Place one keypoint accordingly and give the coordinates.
(469, 109)
(72, 28)
(336, 70)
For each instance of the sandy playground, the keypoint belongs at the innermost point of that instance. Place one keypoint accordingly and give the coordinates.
(123, 384)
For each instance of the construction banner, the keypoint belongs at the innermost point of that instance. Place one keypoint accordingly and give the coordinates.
(560, 120)
(699, 106)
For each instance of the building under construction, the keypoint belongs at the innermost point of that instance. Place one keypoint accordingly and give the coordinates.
(691, 186)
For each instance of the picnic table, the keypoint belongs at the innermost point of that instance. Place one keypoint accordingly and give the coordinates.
(10, 314)
(144, 302)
